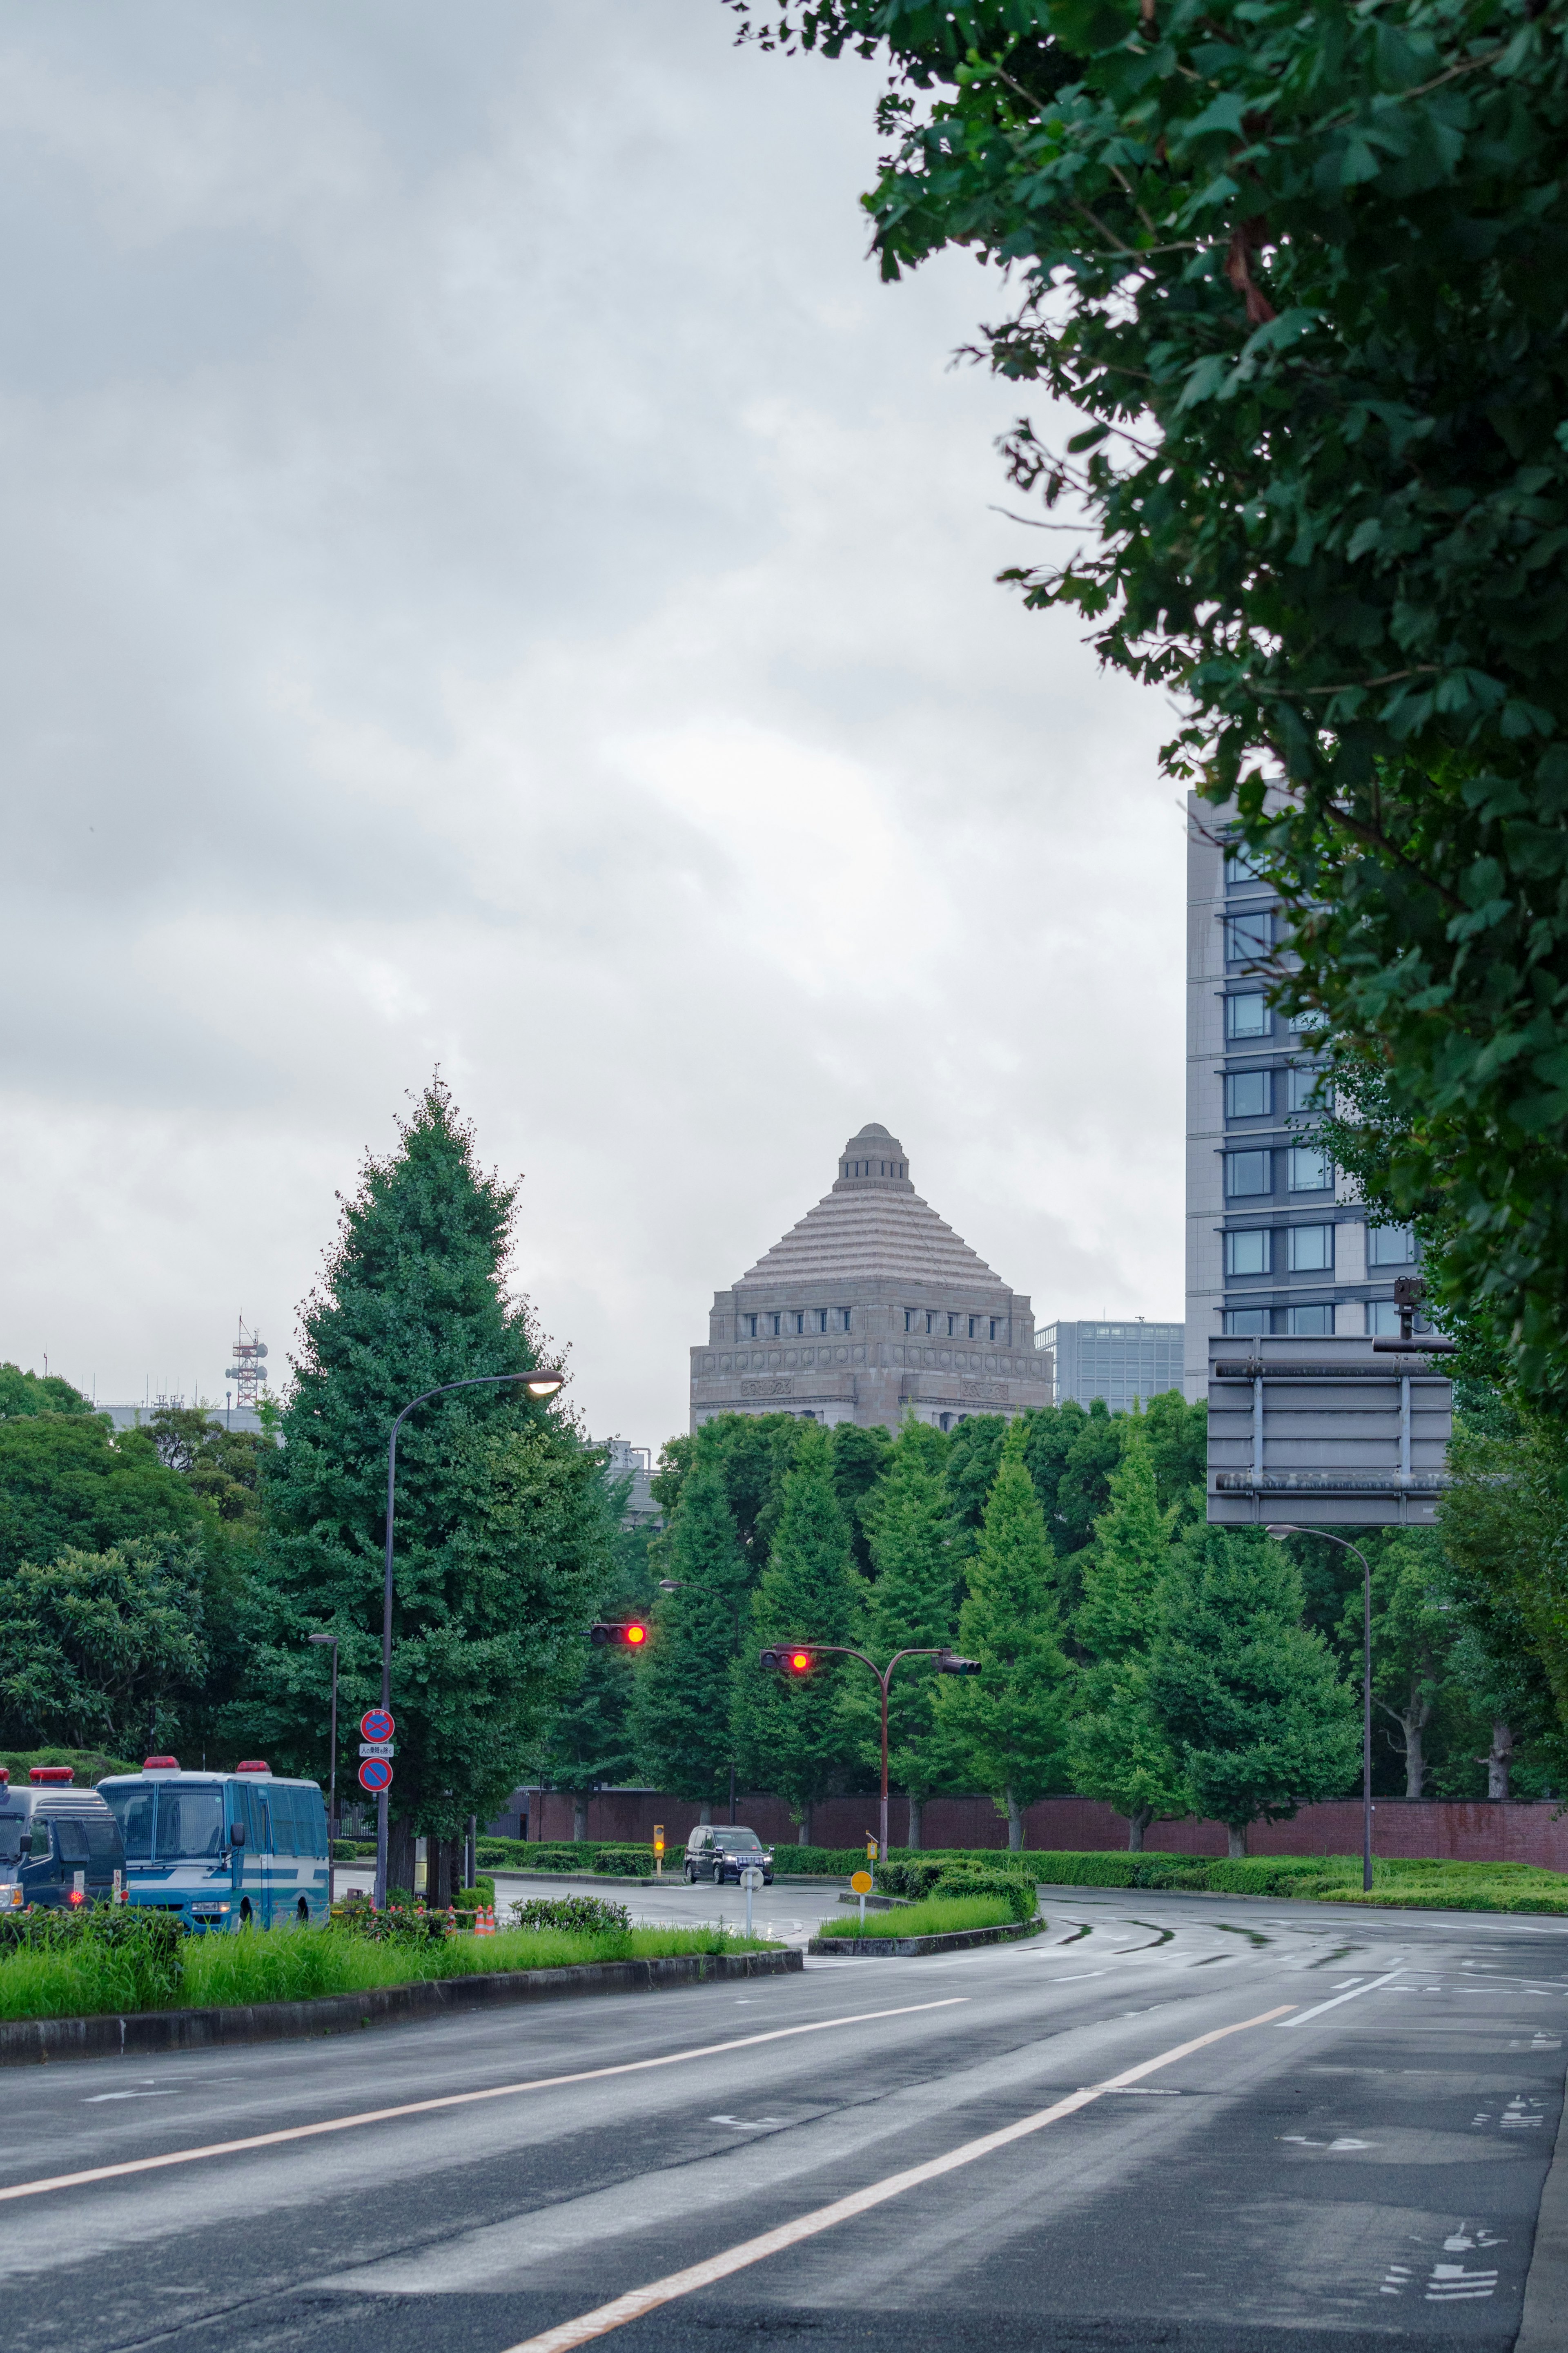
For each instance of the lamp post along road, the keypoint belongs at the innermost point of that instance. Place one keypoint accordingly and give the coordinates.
(539, 1384)
(332, 1779)
(799, 1658)
(1280, 1535)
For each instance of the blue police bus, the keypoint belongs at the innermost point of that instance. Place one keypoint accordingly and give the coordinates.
(223, 1849)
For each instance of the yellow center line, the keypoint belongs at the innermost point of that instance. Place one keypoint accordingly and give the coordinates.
(455, 2100)
(638, 2300)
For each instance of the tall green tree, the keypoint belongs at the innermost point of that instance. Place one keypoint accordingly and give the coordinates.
(1288, 278)
(1006, 1726)
(1248, 1698)
(1504, 1527)
(1119, 1750)
(912, 1605)
(102, 1650)
(24, 1393)
(1414, 1631)
(503, 1532)
(71, 1480)
(682, 1719)
(792, 1735)
(590, 1743)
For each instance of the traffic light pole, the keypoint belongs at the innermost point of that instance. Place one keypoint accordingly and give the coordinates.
(884, 1678)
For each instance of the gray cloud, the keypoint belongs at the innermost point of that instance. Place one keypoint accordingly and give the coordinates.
(491, 576)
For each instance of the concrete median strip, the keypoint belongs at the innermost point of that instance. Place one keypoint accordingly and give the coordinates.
(955, 1940)
(140, 2034)
(605, 2317)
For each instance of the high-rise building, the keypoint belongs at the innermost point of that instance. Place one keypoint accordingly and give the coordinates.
(871, 1306)
(1122, 1362)
(1275, 1241)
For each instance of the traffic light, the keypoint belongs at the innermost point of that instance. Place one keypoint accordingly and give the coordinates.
(787, 1659)
(948, 1662)
(629, 1637)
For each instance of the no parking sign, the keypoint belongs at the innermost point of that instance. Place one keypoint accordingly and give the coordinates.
(376, 1774)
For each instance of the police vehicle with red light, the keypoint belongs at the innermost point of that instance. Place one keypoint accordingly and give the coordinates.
(223, 1849)
(59, 1846)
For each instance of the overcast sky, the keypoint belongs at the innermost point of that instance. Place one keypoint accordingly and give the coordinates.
(492, 578)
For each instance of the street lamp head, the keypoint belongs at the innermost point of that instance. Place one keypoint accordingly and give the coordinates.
(670, 1584)
(1280, 1534)
(323, 1638)
(543, 1383)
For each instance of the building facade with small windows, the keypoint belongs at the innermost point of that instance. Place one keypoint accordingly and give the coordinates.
(870, 1307)
(1125, 1364)
(1277, 1243)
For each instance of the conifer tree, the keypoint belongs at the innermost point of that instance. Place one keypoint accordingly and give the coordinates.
(912, 1605)
(1007, 1725)
(792, 1735)
(1118, 1750)
(1249, 1697)
(502, 1531)
(680, 1719)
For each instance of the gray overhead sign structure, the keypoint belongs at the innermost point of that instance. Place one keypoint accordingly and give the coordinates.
(1325, 1433)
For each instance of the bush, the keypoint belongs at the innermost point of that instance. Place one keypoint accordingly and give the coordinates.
(939, 1915)
(624, 1863)
(88, 1766)
(1008, 1887)
(58, 1964)
(479, 1897)
(582, 1915)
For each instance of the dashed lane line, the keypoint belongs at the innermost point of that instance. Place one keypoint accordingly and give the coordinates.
(631, 2306)
(453, 2100)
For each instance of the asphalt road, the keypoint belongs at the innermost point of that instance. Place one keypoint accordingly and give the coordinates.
(1354, 2160)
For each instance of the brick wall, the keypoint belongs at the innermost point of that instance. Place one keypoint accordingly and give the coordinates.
(1468, 1831)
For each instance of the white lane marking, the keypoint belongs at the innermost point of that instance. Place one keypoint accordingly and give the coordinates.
(1354, 1994)
(457, 2100)
(1079, 1977)
(1301, 2141)
(1452, 2283)
(631, 2306)
(746, 2123)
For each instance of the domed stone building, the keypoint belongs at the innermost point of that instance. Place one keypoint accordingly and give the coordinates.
(870, 1305)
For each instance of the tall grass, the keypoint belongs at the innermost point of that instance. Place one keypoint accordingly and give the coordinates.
(939, 1915)
(291, 1964)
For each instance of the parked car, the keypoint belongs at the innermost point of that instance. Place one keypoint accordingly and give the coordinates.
(719, 1855)
(59, 1846)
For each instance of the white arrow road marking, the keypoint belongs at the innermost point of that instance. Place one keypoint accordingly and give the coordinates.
(631, 2306)
(459, 2100)
(746, 2123)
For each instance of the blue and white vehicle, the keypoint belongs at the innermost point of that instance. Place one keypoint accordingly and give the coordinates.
(223, 1849)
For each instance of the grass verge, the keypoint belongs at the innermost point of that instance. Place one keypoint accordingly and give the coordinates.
(1415, 1883)
(939, 1915)
(296, 1964)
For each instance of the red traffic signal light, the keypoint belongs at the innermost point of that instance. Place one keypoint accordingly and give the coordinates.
(948, 1662)
(631, 1636)
(788, 1658)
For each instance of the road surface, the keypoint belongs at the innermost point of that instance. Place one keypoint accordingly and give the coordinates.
(1327, 2130)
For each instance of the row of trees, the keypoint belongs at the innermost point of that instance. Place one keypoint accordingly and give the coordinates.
(1130, 1653)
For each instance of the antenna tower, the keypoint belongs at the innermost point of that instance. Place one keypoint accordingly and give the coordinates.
(247, 1372)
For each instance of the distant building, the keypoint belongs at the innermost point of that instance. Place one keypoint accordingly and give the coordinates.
(136, 1416)
(635, 1464)
(871, 1306)
(1119, 1362)
(1278, 1243)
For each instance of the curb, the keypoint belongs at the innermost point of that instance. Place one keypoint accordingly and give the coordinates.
(28, 2041)
(1543, 2327)
(880, 1903)
(957, 1940)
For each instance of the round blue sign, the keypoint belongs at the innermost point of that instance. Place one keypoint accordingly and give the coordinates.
(377, 1723)
(375, 1773)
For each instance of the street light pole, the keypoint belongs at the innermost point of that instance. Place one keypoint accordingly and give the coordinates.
(949, 1664)
(539, 1384)
(1280, 1535)
(332, 1779)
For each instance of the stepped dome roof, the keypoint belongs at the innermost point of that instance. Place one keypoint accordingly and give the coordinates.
(872, 1227)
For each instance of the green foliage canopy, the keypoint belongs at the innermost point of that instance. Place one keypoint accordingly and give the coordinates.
(1299, 271)
(503, 1529)
(1119, 1750)
(69, 1480)
(100, 1649)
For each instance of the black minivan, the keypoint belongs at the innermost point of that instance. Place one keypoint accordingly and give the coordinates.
(59, 1845)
